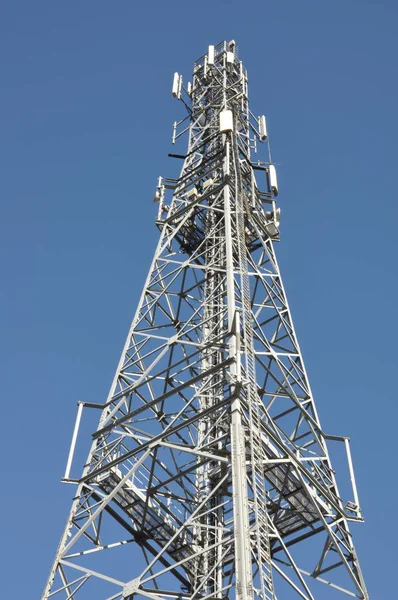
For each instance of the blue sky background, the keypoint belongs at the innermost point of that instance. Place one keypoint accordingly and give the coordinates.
(86, 119)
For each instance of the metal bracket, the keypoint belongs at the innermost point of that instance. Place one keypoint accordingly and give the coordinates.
(351, 506)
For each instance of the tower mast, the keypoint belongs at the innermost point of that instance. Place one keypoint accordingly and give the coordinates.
(209, 473)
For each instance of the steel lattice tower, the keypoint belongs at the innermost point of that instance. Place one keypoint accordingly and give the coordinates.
(209, 474)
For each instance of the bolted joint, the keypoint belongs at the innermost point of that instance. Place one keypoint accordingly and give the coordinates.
(131, 588)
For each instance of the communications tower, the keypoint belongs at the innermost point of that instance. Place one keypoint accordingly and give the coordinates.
(209, 473)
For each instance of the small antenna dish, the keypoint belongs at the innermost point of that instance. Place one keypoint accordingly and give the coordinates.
(271, 229)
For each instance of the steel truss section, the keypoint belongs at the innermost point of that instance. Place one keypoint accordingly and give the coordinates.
(209, 474)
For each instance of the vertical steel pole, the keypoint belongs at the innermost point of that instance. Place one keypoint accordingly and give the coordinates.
(244, 584)
(73, 442)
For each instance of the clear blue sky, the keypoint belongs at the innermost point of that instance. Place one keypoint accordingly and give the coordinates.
(86, 118)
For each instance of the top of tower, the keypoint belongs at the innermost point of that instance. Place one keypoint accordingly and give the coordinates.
(221, 47)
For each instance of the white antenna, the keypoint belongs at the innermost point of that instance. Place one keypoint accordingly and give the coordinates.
(262, 127)
(277, 217)
(273, 180)
(176, 80)
(205, 67)
(226, 121)
(159, 193)
(210, 59)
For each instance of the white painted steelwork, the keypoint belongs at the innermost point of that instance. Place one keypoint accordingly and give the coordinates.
(209, 475)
